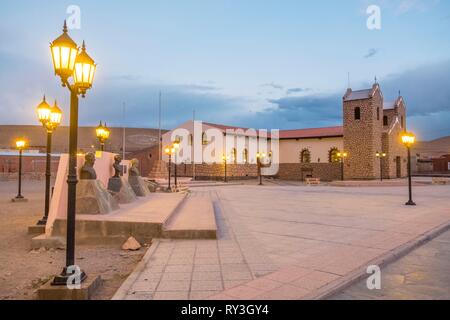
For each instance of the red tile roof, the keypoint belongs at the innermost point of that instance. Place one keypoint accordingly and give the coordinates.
(294, 134)
(312, 133)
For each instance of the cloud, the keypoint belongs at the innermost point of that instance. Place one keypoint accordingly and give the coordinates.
(425, 89)
(372, 52)
(297, 90)
(273, 85)
(405, 6)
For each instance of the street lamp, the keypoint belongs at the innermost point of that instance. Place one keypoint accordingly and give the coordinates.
(103, 133)
(342, 156)
(50, 117)
(169, 151)
(381, 156)
(20, 145)
(408, 140)
(69, 61)
(225, 159)
(259, 158)
(175, 147)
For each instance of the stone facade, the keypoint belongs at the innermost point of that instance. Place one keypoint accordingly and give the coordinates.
(217, 171)
(362, 135)
(370, 128)
(301, 171)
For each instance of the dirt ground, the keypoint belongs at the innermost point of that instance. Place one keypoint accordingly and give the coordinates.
(22, 270)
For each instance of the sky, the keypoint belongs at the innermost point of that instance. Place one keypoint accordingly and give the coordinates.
(263, 64)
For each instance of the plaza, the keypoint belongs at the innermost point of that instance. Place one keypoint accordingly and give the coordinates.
(321, 239)
(224, 151)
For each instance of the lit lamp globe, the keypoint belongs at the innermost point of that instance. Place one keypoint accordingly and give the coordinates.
(64, 53)
(83, 75)
(20, 144)
(44, 112)
(55, 117)
(102, 133)
(408, 139)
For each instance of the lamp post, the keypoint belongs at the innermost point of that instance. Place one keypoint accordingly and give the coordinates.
(381, 156)
(408, 140)
(225, 160)
(102, 132)
(70, 61)
(259, 159)
(175, 147)
(50, 117)
(342, 156)
(169, 151)
(20, 145)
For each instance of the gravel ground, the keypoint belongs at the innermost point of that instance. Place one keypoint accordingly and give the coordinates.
(22, 270)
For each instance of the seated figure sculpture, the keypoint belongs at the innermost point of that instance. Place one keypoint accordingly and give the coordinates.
(118, 186)
(138, 184)
(92, 197)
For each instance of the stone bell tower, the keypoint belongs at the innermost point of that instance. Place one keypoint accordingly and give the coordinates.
(363, 125)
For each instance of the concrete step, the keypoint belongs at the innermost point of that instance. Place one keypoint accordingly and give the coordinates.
(193, 219)
(142, 219)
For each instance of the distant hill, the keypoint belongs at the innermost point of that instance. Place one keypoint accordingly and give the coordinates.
(433, 149)
(136, 138)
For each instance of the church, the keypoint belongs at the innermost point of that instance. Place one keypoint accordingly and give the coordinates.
(370, 139)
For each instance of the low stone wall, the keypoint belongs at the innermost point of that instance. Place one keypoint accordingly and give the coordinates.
(287, 171)
(217, 171)
(301, 171)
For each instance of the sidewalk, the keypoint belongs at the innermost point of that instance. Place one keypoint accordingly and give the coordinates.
(288, 242)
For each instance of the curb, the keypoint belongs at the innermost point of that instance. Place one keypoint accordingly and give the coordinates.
(381, 261)
(122, 292)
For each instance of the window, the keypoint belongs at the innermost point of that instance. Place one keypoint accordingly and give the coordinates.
(234, 155)
(305, 156)
(333, 155)
(357, 113)
(385, 121)
(378, 114)
(245, 156)
(204, 138)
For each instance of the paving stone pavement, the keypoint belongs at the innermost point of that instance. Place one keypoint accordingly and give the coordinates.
(424, 273)
(287, 242)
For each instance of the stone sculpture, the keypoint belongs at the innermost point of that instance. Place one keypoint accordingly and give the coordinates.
(118, 186)
(92, 197)
(138, 184)
(87, 171)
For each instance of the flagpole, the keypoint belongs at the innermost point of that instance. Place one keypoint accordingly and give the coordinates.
(123, 132)
(159, 128)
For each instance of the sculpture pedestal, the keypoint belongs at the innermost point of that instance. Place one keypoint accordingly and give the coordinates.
(158, 170)
(139, 186)
(121, 190)
(93, 198)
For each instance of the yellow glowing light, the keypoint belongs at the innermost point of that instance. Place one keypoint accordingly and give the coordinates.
(83, 75)
(176, 145)
(55, 116)
(20, 144)
(44, 111)
(64, 52)
(102, 132)
(408, 139)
